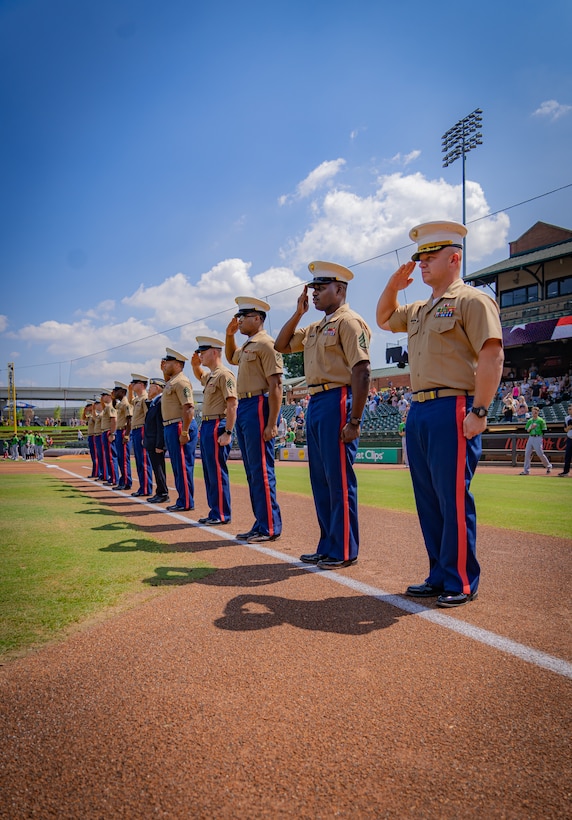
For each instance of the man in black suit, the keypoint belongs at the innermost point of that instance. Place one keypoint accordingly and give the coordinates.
(154, 440)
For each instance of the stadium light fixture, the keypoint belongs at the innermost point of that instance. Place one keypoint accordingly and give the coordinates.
(456, 143)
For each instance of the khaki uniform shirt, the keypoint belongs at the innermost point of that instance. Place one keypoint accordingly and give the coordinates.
(333, 346)
(109, 412)
(124, 411)
(445, 339)
(139, 411)
(90, 425)
(97, 425)
(176, 393)
(220, 385)
(257, 360)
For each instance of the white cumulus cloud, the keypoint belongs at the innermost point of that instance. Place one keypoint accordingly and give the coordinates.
(350, 228)
(406, 159)
(552, 109)
(315, 180)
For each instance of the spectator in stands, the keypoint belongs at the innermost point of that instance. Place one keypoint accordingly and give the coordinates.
(554, 391)
(300, 428)
(402, 406)
(282, 431)
(509, 405)
(535, 427)
(535, 390)
(568, 451)
(522, 409)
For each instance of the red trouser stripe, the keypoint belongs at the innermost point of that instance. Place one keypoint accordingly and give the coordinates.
(344, 474)
(267, 497)
(183, 463)
(460, 412)
(219, 487)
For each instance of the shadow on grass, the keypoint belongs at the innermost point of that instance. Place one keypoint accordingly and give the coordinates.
(177, 576)
(145, 545)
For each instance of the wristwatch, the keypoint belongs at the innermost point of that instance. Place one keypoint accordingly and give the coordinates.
(355, 422)
(227, 431)
(481, 412)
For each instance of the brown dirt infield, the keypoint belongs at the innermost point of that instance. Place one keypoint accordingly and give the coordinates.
(267, 691)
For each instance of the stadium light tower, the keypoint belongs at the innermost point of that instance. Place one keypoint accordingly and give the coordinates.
(457, 142)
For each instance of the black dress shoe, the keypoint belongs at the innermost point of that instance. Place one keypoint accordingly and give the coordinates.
(423, 591)
(333, 563)
(450, 599)
(213, 522)
(259, 537)
(313, 558)
(176, 508)
(138, 494)
(244, 536)
(158, 499)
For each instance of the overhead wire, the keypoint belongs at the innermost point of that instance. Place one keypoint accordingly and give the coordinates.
(395, 251)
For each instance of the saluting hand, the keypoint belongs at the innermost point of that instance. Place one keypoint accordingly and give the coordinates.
(303, 301)
(232, 326)
(402, 277)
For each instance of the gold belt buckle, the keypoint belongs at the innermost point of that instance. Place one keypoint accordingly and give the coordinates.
(420, 397)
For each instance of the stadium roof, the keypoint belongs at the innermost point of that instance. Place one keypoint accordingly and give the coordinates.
(521, 261)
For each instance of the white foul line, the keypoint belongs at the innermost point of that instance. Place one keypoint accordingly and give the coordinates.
(476, 633)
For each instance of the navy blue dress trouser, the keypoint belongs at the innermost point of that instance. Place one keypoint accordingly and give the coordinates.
(142, 461)
(215, 470)
(123, 449)
(182, 461)
(258, 460)
(442, 464)
(333, 479)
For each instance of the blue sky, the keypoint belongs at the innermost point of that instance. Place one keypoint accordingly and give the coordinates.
(161, 158)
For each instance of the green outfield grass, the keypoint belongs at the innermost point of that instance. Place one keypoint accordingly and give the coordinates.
(66, 557)
(528, 504)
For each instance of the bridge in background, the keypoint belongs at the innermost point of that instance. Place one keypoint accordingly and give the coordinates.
(56, 395)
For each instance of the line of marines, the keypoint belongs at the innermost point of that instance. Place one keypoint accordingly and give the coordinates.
(455, 348)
